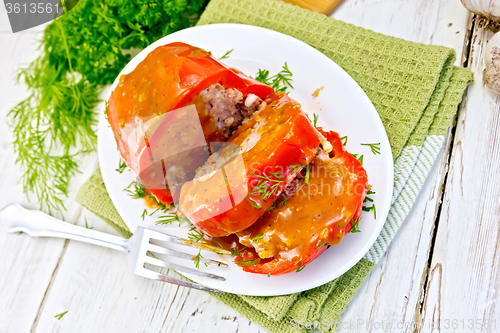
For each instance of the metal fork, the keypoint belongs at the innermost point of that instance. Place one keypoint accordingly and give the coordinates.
(140, 248)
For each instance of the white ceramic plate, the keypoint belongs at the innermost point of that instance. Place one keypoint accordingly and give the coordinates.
(342, 106)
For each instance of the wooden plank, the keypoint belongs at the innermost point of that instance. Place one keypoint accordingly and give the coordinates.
(392, 293)
(426, 21)
(28, 264)
(464, 272)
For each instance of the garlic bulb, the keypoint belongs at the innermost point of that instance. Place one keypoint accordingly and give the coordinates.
(488, 12)
(491, 74)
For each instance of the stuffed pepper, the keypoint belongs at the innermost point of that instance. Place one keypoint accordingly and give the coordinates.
(171, 77)
(275, 145)
(314, 212)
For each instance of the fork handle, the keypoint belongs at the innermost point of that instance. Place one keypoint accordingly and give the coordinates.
(35, 223)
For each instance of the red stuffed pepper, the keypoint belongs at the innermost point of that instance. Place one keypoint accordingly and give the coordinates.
(324, 204)
(275, 145)
(170, 77)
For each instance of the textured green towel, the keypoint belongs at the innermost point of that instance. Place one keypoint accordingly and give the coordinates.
(416, 90)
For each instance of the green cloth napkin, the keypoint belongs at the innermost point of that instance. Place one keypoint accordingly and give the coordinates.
(416, 91)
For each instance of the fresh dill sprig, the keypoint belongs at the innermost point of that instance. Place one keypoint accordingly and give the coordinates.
(81, 52)
(59, 316)
(167, 219)
(283, 79)
(284, 201)
(321, 245)
(295, 167)
(197, 258)
(360, 159)
(368, 199)
(237, 253)
(315, 119)
(375, 147)
(121, 166)
(269, 274)
(270, 208)
(226, 55)
(144, 214)
(268, 186)
(368, 209)
(195, 235)
(248, 262)
(279, 82)
(344, 140)
(355, 225)
(300, 267)
(253, 204)
(161, 206)
(308, 171)
(262, 76)
(135, 190)
(87, 225)
(255, 239)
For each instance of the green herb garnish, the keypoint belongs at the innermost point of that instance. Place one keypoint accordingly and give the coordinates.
(86, 224)
(344, 140)
(315, 119)
(279, 82)
(295, 167)
(168, 219)
(368, 209)
(267, 190)
(144, 214)
(321, 245)
(355, 225)
(195, 235)
(59, 316)
(226, 55)
(375, 147)
(134, 190)
(236, 252)
(249, 262)
(253, 204)
(197, 258)
(300, 267)
(161, 206)
(308, 170)
(255, 239)
(121, 166)
(81, 52)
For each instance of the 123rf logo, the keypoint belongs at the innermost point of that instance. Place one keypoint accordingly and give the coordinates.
(25, 14)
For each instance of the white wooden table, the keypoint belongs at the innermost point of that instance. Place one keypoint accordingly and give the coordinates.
(444, 264)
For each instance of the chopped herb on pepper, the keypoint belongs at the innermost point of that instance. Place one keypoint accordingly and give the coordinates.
(226, 55)
(121, 166)
(375, 147)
